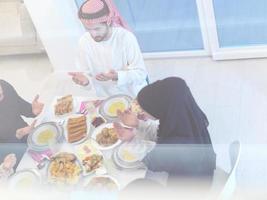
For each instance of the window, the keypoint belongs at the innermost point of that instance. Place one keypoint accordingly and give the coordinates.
(224, 29)
(241, 22)
(162, 25)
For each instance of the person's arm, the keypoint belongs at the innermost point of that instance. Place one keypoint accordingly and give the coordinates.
(135, 72)
(4, 174)
(6, 168)
(21, 132)
(25, 108)
(148, 130)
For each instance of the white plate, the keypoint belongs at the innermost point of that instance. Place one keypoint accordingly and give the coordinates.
(88, 122)
(87, 181)
(98, 131)
(60, 117)
(82, 153)
(113, 101)
(26, 179)
(52, 180)
(134, 150)
(125, 165)
(33, 142)
(139, 148)
(105, 106)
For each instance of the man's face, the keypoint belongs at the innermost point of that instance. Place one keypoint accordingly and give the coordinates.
(1, 94)
(98, 32)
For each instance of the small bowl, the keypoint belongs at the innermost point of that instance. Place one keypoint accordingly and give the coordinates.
(136, 155)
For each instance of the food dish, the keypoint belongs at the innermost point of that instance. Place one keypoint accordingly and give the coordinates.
(44, 135)
(25, 179)
(76, 128)
(92, 162)
(90, 157)
(97, 121)
(106, 137)
(64, 169)
(131, 152)
(127, 156)
(121, 164)
(116, 106)
(111, 105)
(64, 105)
(105, 182)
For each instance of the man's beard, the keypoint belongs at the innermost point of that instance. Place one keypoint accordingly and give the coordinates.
(101, 38)
(98, 39)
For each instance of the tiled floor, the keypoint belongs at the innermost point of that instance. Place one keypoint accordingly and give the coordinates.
(233, 94)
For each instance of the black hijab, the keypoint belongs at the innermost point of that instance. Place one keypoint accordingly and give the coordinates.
(13, 102)
(181, 119)
(12, 107)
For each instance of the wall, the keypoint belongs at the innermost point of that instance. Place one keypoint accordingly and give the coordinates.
(59, 28)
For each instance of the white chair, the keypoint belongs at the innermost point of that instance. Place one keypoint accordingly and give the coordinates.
(230, 185)
(224, 184)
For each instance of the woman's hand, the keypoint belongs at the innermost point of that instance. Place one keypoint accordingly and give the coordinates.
(20, 133)
(124, 134)
(128, 118)
(37, 107)
(9, 161)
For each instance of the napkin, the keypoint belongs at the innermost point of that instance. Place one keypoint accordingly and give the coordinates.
(39, 156)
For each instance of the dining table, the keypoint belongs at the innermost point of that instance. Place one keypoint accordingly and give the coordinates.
(55, 88)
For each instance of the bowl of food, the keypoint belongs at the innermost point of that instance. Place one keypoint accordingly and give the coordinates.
(24, 179)
(44, 136)
(103, 183)
(106, 136)
(64, 169)
(113, 104)
(131, 152)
